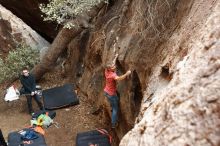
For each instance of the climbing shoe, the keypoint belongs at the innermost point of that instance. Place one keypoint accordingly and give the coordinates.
(115, 125)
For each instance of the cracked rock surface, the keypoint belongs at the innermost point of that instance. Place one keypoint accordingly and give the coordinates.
(185, 111)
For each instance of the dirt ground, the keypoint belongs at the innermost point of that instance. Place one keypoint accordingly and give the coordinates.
(14, 116)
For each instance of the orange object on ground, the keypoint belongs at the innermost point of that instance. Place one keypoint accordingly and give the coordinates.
(39, 130)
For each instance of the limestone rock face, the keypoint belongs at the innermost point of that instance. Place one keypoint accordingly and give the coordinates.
(14, 31)
(185, 110)
(172, 47)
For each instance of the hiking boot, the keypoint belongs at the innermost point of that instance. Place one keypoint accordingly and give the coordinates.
(31, 112)
(115, 125)
(42, 108)
(31, 115)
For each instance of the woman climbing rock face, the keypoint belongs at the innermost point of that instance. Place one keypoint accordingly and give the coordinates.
(110, 88)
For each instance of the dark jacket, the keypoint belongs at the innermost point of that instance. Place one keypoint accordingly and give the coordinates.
(29, 84)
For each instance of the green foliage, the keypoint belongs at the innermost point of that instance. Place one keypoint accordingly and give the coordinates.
(62, 11)
(21, 57)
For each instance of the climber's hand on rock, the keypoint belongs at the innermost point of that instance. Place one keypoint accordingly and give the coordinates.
(116, 55)
(128, 72)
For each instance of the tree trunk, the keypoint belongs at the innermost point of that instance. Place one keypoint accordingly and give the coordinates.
(58, 46)
(63, 38)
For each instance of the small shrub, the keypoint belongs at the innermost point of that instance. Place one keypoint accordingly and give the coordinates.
(22, 56)
(62, 11)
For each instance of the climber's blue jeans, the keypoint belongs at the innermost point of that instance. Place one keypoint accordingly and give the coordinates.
(113, 99)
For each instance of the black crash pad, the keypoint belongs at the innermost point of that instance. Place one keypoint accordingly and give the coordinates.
(59, 97)
(92, 137)
(14, 139)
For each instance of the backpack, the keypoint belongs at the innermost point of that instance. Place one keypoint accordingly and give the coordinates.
(43, 120)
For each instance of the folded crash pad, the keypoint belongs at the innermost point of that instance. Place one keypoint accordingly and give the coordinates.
(59, 97)
(15, 139)
(93, 137)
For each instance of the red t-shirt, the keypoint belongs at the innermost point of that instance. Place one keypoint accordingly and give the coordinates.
(110, 84)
